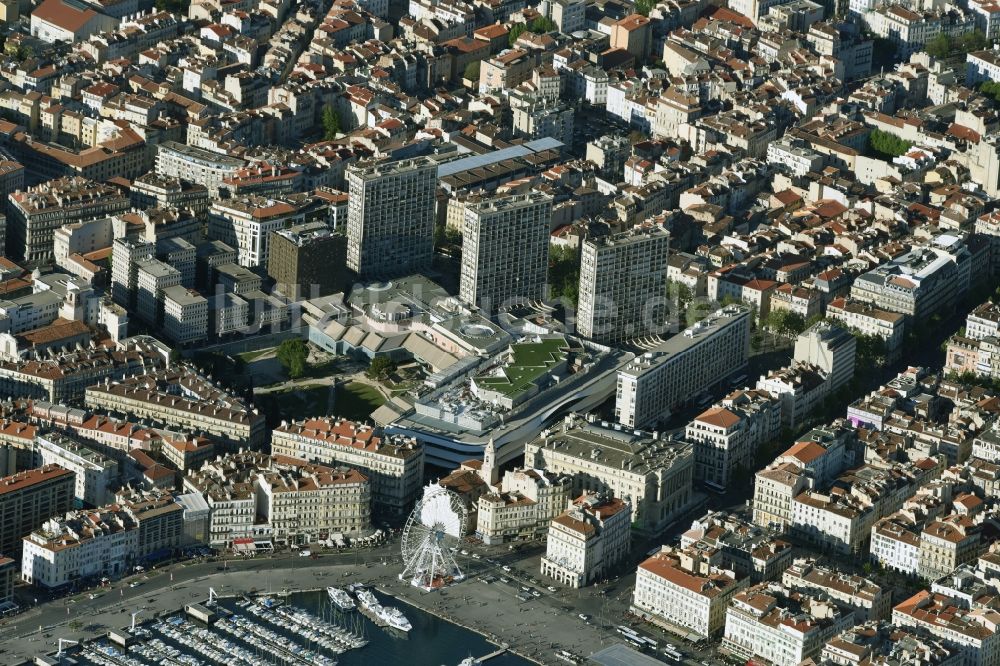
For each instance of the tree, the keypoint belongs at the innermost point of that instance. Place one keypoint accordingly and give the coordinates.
(636, 136)
(793, 325)
(472, 71)
(972, 41)
(381, 367)
(943, 46)
(784, 322)
(515, 31)
(444, 236)
(293, 355)
(940, 46)
(728, 299)
(564, 272)
(542, 25)
(681, 294)
(644, 6)
(885, 145)
(990, 89)
(870, 350)
(331, 123)
(175, 6)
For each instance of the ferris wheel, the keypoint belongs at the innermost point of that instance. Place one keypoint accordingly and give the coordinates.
(435, 526)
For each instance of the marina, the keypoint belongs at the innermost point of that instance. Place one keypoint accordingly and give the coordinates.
(309, 628)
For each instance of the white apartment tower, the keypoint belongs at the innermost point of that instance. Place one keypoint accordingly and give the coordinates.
(505, 250)
(152, 277)
(682, 367)
(125, 254)
(185, 315)
(246, 223)
(832, 348)
(390, 217)
(623, 285)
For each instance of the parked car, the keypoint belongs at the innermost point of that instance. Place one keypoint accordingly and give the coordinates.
(304, 553)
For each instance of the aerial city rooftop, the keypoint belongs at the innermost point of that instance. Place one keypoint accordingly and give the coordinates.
(692, 303)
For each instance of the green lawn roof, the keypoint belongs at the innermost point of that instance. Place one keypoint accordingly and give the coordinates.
(530, 361)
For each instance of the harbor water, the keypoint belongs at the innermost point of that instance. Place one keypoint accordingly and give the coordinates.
(431, 642)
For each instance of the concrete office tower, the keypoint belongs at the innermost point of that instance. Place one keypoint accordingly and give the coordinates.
(390, 217)
(307, 260)
(623, 285)
(505, 250)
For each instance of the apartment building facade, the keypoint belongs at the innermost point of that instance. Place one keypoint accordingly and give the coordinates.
(390, 217)
(974, 632)
(522, 506)
(679, 369)
(769, 621)
(505, 250)
(228, 420)
(394, 464)
(587, 540)
(36, 213)
(247, 222)
(273, 499)
(654, 474)
(623, 285)
(681, 591)
(196, 165)
(726, 437)
(28, 499)
(97, 476)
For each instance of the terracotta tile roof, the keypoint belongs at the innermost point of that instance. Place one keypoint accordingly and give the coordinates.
(66, 15)
(719, 417)
(806, 452)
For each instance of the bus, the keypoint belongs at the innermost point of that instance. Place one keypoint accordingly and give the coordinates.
(715, 487)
